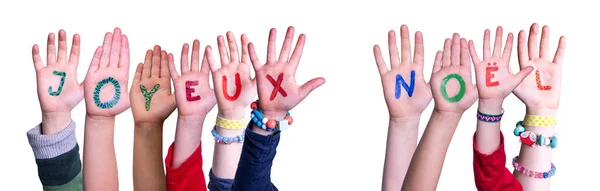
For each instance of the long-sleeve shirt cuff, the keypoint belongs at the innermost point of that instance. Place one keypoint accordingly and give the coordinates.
(189, 175)
(256, 160)
(50, 146)
(490, 170)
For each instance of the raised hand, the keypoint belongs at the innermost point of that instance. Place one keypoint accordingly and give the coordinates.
(277, 88)
(192, 91)
(105, 85)
(235, 89)
(493, 74)
(405, 90)
(541, 90)
(151, 98)
(451, 83)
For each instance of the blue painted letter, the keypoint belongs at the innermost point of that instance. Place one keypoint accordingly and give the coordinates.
(409, 89)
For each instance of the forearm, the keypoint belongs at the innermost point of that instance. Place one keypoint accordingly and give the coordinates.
(99, 160)
(426, 165)
(537, 159)
(148, 169)
(401, 143)
(487, 137)
(54, 122)
(227, 156)
(187, 138)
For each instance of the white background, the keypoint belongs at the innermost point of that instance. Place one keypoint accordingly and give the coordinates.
(338, 139)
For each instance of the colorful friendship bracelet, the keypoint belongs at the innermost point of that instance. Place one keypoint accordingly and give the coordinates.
(540, 121)
(226, 140)
(533, 174)
(230, 124)
(489, 117)
(270, 125)
(530, 138)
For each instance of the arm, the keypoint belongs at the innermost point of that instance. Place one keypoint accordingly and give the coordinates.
(148, 169)
(451, 100)
(54, 141)
(106, 95)
(405, 107)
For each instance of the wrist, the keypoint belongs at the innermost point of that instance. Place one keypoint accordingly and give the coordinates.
(148, 124)
(274, 114)
(99, 118)
(541, 111)
(235, 114)
(400, 121)
(54, 122)
(490, 106)
(447, 114)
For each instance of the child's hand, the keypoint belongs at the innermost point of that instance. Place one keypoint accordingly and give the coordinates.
(58, 89)
(540, 90)
(151, 98)
(277, 89)
(494, 77)
(405, 90)
(105, 85)
(451, 84)
(234, 87)
(192, 91)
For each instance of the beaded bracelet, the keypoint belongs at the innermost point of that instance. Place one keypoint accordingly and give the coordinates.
(533, 174)
(530, 138)
(489, 117)
(226, 140)
(270, 125)
(230, 124)
(540, 121)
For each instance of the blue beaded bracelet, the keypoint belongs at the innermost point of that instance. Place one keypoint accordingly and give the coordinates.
(530, 138)
(227, 140)
(275, 126)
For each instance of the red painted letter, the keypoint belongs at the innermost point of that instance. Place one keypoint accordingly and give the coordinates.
(489, 75)
(189, 90)
(539, 82)
(276, 86)
(238, 88)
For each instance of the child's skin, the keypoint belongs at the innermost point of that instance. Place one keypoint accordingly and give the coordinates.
(405, 112)
(148, 169)
(99, 160)
(428, 159)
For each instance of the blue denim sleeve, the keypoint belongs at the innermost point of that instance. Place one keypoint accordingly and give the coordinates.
(219, 184)
(254, 169)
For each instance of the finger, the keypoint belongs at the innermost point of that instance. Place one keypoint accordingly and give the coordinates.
(533, 41)
(51, 50)
(284, 55)
(297, 54)
(62, 47)
(106, 50)
(233, 48)
(146, 72)
(522, 53)
(37, 60)
(498, 42)
(271, 51)
(253, 58)
(155, 72)
(405, 45)
(379, 60)
(437, 63)
(115, 48)
(172, 69)
(465, 57)
(195, 56)
(560, 50)
(205, 67)
(446, 53)
(455, 50)
(164, 62)
(486, 44)
(473, 53)
(223, 54)
(245, 54)
(419, 55)
(95, 64)
(124, 57)
(184, 62)
(212, 64)
(544, 44)
(75, 50)
(138, 73)
(393, 49)
(519, 77)
(309, 86)
(508, 47)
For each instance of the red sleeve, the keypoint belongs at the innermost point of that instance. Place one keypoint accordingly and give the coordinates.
(490, 171)
(188, 176)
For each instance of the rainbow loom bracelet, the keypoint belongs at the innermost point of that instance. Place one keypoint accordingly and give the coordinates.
(489, 117)
(533, 174)
(269, 124)
(530, 138)
(226, 140)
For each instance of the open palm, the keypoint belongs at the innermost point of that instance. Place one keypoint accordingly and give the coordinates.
(58, 89)
(105, 85)
(541, 89)
(412, 100)
(451, 83)
(192, 91)
(493, 74)
(154, 103)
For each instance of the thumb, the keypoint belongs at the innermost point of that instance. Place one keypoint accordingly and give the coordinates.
(519, 77)
(309, 86)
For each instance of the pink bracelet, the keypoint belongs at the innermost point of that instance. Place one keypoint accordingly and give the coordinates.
(533, 174)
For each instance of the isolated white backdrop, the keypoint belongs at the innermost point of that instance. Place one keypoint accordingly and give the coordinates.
(338, 139)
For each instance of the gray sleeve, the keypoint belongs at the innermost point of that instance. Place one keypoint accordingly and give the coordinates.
(50, 146)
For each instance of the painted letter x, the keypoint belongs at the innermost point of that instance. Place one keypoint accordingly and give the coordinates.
(276, 86)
